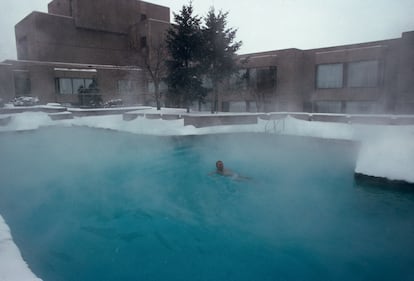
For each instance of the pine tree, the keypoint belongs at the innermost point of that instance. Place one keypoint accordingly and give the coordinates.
(220, 50)
(184, 42)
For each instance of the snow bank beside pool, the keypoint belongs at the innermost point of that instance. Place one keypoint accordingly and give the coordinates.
(386, 152)
(27, 121)
(12, 266)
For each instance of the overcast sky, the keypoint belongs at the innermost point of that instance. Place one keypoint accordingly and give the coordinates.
(265, 25)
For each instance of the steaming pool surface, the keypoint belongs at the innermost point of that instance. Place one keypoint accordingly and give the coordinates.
(85, 204)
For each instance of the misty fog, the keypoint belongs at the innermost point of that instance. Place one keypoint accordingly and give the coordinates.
(79, 199)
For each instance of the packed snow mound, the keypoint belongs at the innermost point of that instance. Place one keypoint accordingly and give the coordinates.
(12, 266)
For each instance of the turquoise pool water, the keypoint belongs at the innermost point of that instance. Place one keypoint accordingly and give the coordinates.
(87, 204)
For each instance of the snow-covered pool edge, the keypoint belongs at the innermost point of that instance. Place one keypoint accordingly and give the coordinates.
(12, 265)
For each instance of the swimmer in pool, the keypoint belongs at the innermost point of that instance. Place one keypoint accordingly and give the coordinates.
(220, 170)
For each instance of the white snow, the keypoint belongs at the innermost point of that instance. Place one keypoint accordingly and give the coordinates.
(12, 266)
(385, 150)
(75, 69)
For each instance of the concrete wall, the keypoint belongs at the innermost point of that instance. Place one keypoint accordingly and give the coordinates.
(115, 16)
(43, 34)
(6, 82)
(95, 32)
(60, 7)
(405, 76)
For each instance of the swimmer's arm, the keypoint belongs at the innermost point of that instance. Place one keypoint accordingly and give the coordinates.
(213, 173)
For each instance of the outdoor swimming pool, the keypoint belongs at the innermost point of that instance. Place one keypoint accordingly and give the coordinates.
(86, 204)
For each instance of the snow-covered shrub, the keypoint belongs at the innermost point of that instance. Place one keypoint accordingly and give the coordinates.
(113, 103)
(25, 101)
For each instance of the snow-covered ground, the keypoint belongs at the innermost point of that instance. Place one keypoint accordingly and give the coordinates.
(12, 266)
(386, 151)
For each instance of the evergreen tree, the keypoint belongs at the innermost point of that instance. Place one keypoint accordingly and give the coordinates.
(184, 42)
(219, 52)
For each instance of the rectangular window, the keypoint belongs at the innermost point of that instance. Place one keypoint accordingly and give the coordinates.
(328, 106)
(329, 76)
(22, 83)
(363, 74)
(237, 106)
(266, 78)
(162, 87)
(73, 86)
(65, 86)
(242, 79)
(90, 83)
(78, 85)
(143, 42)
(251, 106)
(129, 87)
(355, 107)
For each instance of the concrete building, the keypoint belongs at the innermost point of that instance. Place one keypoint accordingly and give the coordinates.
(82, 44)
(374, 77)
(96, 46)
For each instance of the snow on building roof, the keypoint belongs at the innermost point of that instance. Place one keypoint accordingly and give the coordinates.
(75, 69)
(75, 65)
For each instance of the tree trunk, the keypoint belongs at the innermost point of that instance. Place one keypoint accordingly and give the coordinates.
(157, 95)
(214, 105)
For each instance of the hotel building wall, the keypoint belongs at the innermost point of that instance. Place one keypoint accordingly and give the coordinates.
(79, 36)
(96, 32)
(374, 77)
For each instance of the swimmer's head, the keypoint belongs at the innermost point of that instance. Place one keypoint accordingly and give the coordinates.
(219, 165)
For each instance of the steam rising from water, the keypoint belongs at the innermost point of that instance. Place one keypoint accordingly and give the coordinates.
(121, 206)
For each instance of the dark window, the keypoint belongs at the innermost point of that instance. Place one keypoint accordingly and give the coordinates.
(329, 76)
(266, 78)
(363, 74)
(128, 87)
(355, 107)
(22, 83)
(143, 42)
(74, 86)
(143, 17)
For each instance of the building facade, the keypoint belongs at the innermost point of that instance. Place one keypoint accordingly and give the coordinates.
(374, 77)
(81, 46)
(84, 46)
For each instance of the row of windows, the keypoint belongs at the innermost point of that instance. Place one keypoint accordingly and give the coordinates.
(355, 74)
(349, 107)
(261, 79)
(74, 86)
(361, 74)
(338, 75)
